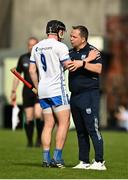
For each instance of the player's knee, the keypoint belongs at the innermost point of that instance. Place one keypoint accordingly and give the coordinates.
(38, 116)
(65, 123)
(29, 117)
(49, 125)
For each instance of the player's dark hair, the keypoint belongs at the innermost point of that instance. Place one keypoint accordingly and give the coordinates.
(83, 31)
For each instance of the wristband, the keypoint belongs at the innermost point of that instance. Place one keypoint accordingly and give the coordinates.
(84, 62)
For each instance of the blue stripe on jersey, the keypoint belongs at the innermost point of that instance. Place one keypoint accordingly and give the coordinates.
(65, 59)
(53, 101)
(64, 95)
(32, 61)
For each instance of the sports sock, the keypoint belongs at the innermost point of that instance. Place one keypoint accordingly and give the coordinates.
(29, 129)
(39, 127)
(57, 154)
(46, 156)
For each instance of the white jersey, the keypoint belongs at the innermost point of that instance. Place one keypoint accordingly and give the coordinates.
(48, 55)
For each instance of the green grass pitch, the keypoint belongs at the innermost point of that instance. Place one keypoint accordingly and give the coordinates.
(19, 162)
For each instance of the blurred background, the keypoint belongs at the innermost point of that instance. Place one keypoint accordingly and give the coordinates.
(107, 22)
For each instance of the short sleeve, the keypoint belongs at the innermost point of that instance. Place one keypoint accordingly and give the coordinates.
(63, 52)
(98, 58)
(32, 57)
(19, 65)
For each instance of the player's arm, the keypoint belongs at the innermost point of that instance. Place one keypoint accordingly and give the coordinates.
(86, 63)
(94, 67)
(15, 82)
(13, 91)
(73, 65)
(33, 74)
(97, 68)
(65, 59)
(33, 68)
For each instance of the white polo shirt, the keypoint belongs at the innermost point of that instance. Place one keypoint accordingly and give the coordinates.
(49, 54)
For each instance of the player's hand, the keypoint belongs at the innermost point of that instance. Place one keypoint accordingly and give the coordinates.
(74, 65)
(13, 98)
(93, 54)
(35, 90)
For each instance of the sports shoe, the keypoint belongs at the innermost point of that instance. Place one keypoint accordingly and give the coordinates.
(82, 165)
(46, 164)
(98, 166)
(57, 164)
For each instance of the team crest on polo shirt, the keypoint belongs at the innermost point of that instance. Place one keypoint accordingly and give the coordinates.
(83, 56)
(88, 110)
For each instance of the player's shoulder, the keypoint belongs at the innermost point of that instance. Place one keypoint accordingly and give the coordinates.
(38, 44)
(37, 47)
(99, 56)
(71, 50)
(62, 45)
(91, 47)
(24, 55)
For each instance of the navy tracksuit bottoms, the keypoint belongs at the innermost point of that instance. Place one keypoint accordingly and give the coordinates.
(85, 113)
